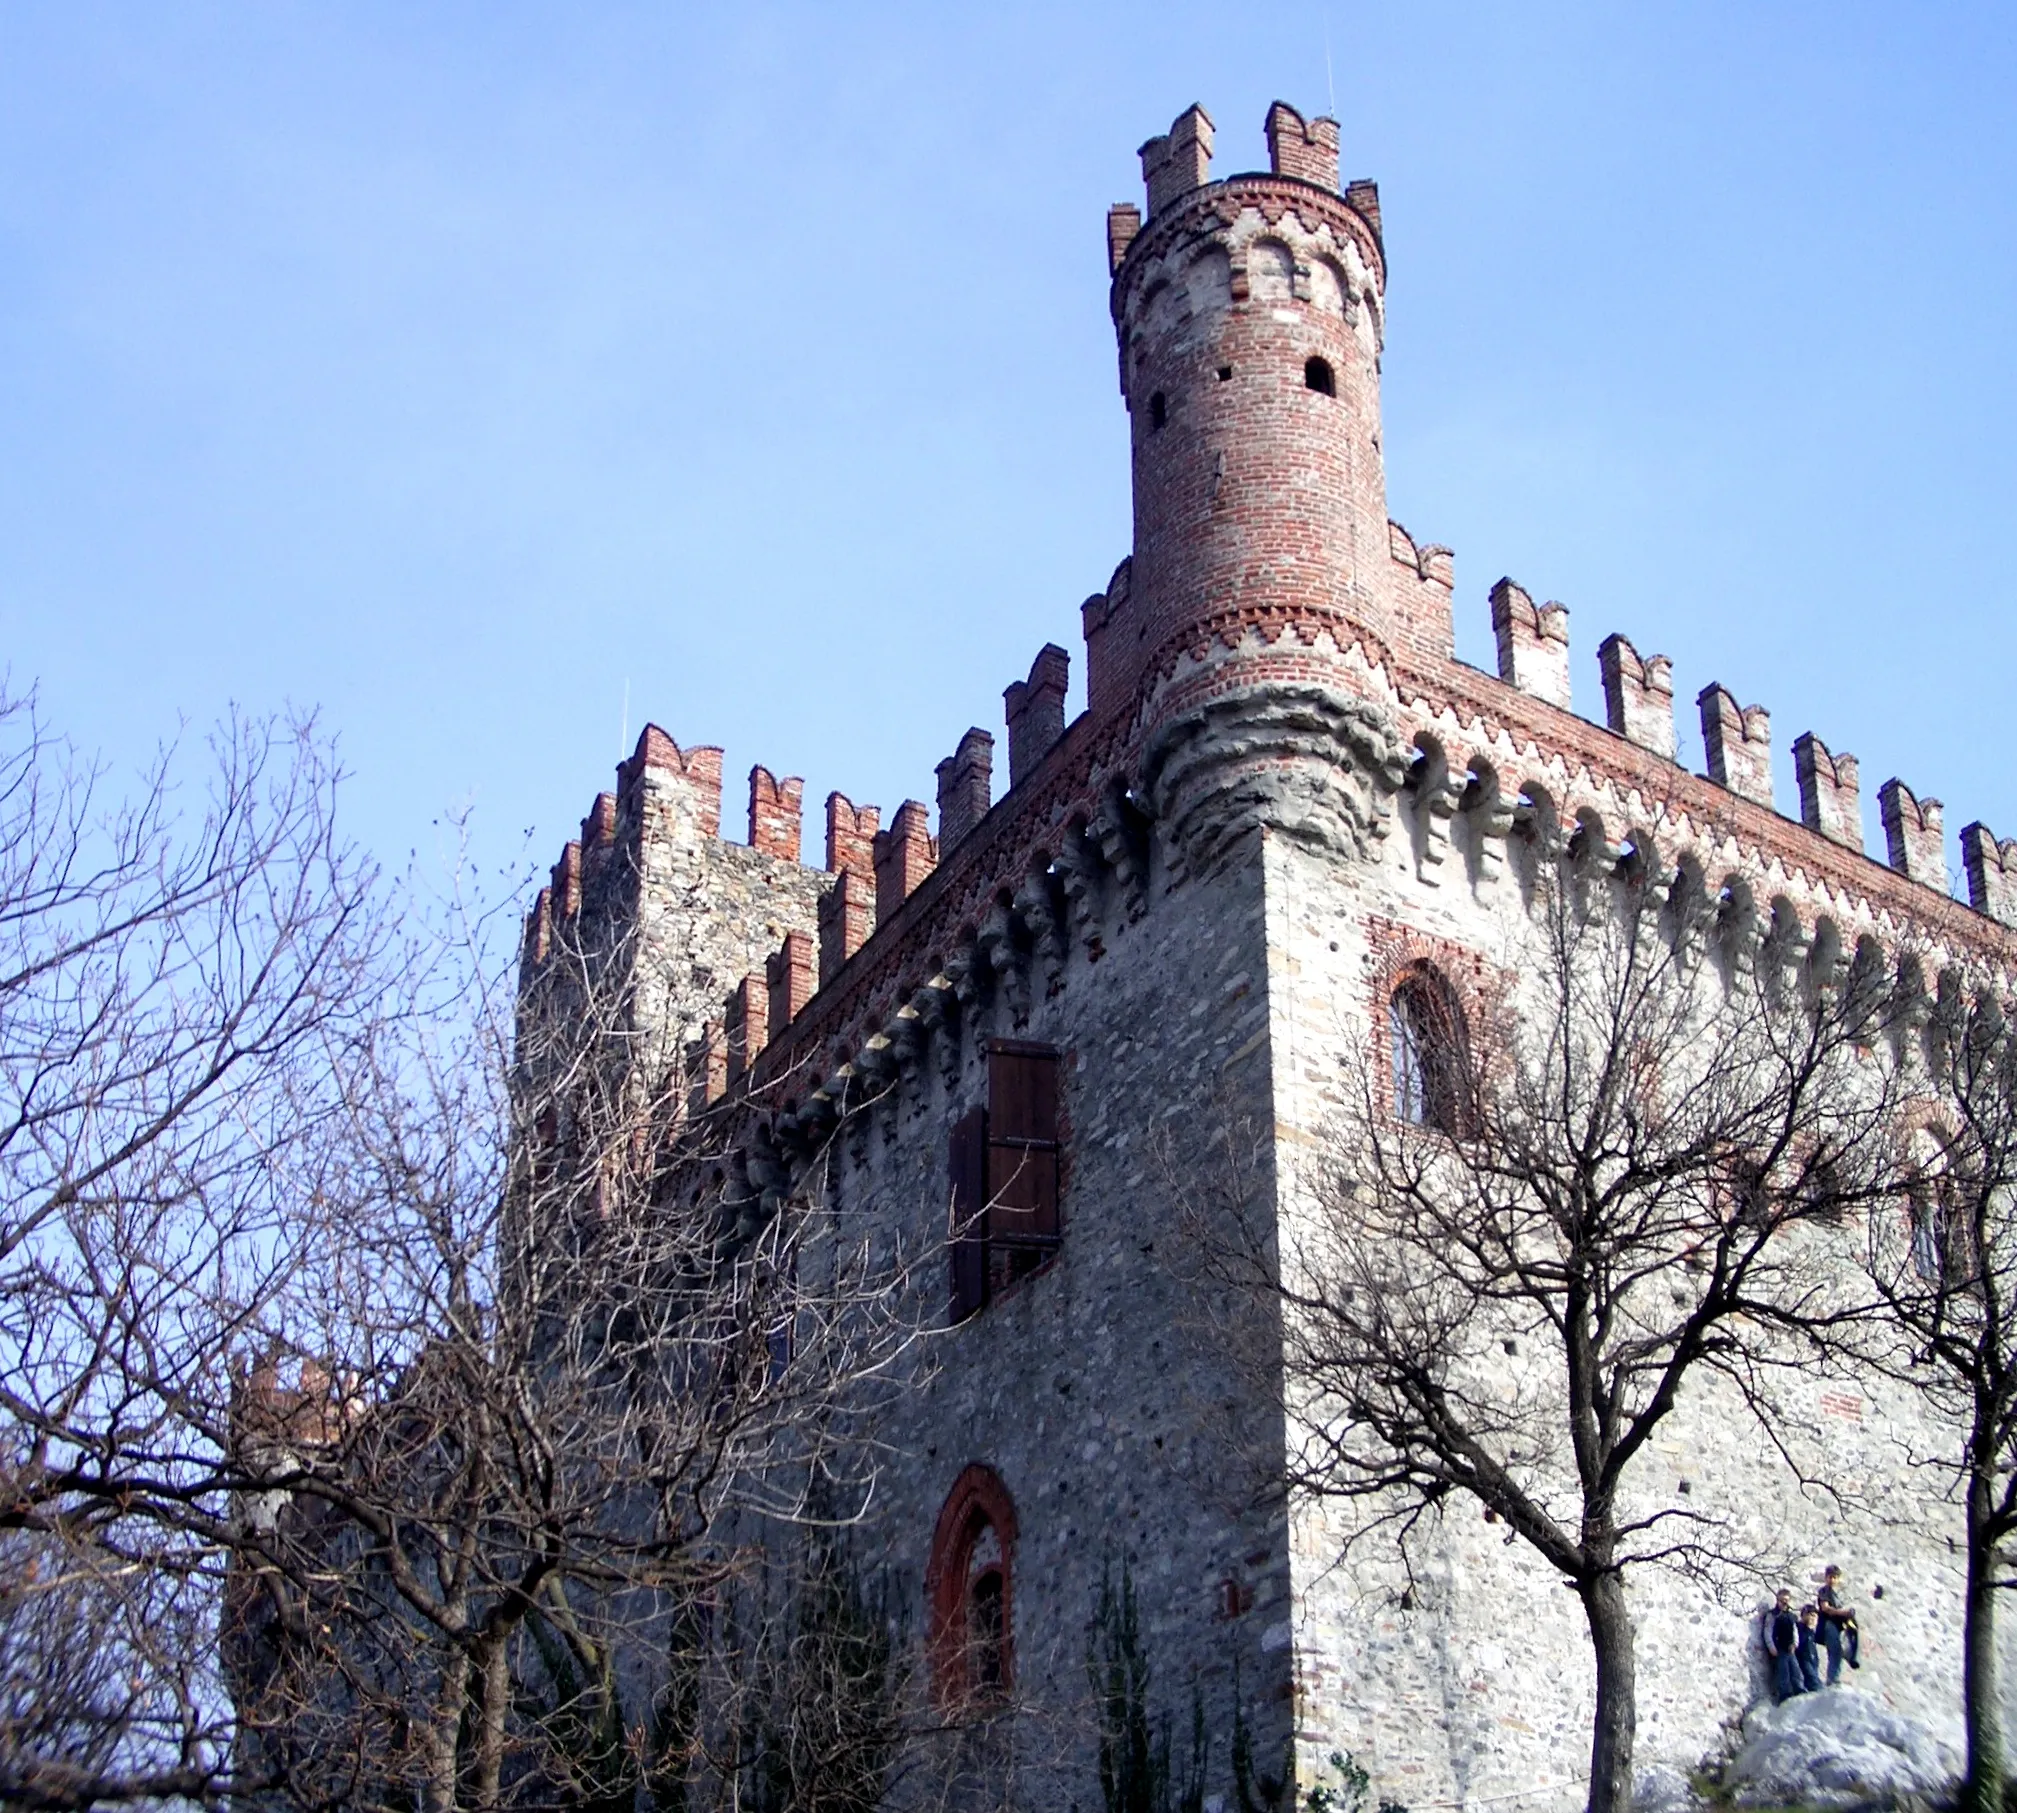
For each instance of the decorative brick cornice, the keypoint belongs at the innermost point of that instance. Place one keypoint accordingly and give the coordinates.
(1430, 689)
(1218, 206)
(1271, 621)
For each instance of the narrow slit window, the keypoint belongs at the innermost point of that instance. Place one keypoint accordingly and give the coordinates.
(1943, 1248)
(1159, 411)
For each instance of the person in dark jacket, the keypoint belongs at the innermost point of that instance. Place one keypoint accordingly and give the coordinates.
(1839, 1635)
(1782, 1644)
(1807, 1652)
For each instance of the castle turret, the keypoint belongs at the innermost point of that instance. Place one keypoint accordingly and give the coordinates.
(1249, 319)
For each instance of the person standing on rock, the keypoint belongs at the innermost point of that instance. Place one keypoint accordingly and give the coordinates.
(1782, 1644)
(1808, 1652)
(1839, 1636)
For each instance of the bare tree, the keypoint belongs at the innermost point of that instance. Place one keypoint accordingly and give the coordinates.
(172, 972)
(820, 1725)
(1544, 1217)
(398, 1368)
(1944, 1263)
(565, 1358)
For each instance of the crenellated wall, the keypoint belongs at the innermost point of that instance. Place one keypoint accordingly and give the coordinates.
(1283, 777)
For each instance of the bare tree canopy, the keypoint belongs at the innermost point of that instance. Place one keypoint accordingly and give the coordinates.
(176, 971)
(1944, 1264)
(402, 1377)
(1546, 1216)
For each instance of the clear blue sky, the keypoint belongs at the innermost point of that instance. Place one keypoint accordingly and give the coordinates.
(450, 367)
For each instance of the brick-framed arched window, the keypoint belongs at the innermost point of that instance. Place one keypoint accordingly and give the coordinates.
(969, 1588)
(1939, 1226)
(1431, 1046)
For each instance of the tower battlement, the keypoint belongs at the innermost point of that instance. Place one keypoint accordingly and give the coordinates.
(1249, 312)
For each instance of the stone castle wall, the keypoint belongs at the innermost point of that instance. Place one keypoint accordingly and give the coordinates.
(1469, 1677)
(1283, 777)
(1086, 1387)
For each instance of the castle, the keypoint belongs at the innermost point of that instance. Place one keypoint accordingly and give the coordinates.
(1286, 793)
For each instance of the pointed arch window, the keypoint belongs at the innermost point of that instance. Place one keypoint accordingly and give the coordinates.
(1431, 1053)
(969, 1589)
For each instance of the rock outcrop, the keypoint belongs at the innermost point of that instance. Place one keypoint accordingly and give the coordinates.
(1839, 1748)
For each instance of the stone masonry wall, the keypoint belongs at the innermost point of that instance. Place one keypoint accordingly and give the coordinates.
(654, 916)
(1091, 1387)
(1476, 1683)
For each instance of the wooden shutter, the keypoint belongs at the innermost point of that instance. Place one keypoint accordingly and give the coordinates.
(1022, 1145)
(968, 1233)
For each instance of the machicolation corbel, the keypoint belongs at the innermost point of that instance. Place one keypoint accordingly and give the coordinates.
(1829, 800)
(1491, 815)
(1039, 904)
(1436, 790)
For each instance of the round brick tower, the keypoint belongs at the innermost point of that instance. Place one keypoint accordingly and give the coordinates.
(1257, 605)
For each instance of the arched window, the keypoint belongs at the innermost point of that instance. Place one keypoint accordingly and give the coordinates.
(969, 1592)
(1317, 375)
(1943, 1244)
(1431, 1049)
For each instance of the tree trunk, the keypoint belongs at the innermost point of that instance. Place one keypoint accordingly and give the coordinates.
(1617, 1702)
(1984, 1792)
(488, 1775)
(445, 1740)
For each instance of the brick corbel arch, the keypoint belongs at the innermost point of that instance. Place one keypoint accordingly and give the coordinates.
(977, 1503)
